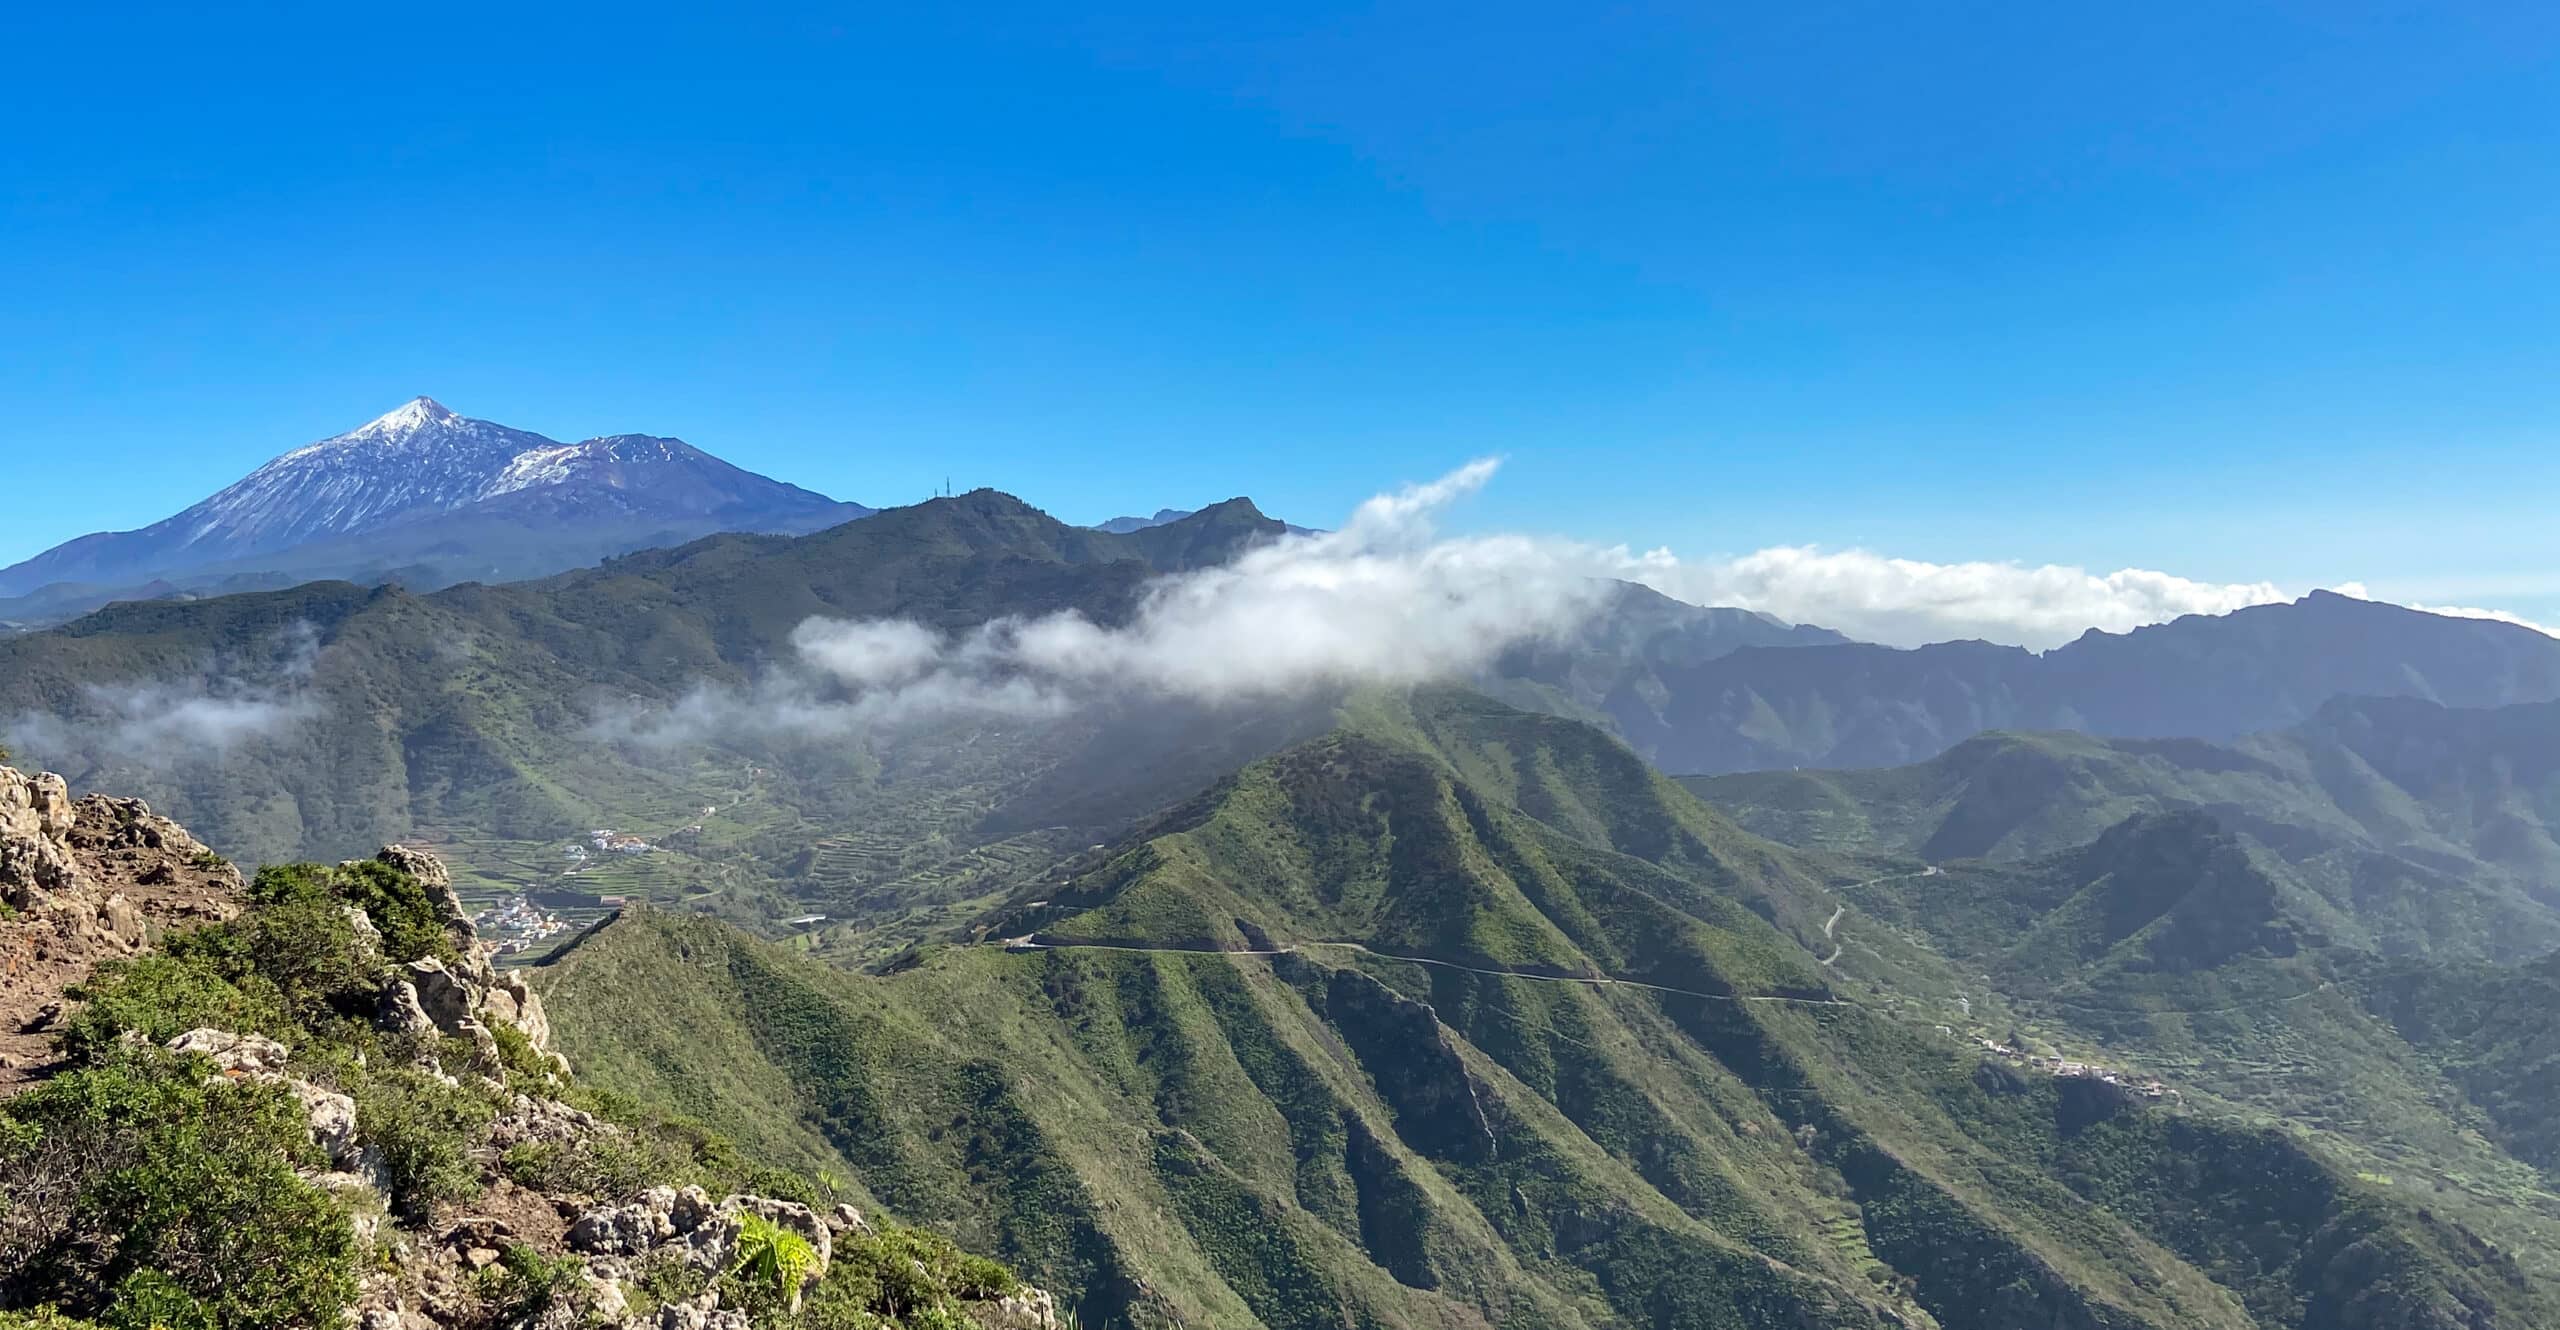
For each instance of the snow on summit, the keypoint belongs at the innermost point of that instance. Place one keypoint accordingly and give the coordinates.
(419, 461)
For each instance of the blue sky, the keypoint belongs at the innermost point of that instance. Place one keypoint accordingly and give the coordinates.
(2242, 293)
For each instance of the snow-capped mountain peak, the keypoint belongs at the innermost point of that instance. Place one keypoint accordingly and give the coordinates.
(422, 462)
(406, 418)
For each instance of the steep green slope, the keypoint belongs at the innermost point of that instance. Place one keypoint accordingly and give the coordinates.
(1459, 1016)
(2172, 945)
(2429, 830)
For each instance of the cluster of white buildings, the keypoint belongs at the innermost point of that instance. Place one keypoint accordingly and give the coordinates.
(515, 923)
(608, 841)
(2147, 1087)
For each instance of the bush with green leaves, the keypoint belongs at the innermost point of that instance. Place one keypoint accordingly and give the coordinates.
(143, 1186)
(524, 1284)
(902, 1276)
(291, 968)
(424, 1130)
(394, 900)
(161, 996)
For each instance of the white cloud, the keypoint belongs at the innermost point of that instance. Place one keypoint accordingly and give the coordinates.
(1382, 600)
(2361, 592)
(161, 722)
(1905, 602)
(1387, 599)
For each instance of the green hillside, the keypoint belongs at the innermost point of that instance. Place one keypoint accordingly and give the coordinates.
(2426, 829)
(2179, 945)
(469, 719)
(1458, 1016)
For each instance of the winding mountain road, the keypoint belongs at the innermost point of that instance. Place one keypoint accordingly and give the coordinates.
(1833, 922)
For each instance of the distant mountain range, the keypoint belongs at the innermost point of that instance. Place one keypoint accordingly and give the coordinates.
(1121, 526)
(426, 497)
(2215, 677)
(501, 736)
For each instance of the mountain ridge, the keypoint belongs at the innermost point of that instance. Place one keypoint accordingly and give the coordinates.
(2214, 677)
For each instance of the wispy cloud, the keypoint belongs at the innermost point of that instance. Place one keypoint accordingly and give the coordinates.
(164, 721)
(2361, 592)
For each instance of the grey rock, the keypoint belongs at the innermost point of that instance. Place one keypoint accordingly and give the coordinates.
(446, 997)
(240, 1054)
(333, 1121)
(401, 1012)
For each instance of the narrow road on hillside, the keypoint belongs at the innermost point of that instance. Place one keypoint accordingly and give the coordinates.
(1034, 944)
(1833, 922)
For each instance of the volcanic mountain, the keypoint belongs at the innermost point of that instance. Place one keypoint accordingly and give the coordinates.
(429, 497)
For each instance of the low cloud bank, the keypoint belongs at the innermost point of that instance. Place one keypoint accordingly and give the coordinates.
(1382, 600)
(1387, 599)
(1906, 602)
(161, 722)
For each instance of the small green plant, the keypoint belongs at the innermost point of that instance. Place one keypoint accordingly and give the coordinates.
(524, 1284)
(772, 1260)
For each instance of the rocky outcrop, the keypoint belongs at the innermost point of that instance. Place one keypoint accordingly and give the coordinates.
(97, 879)
(35, 830)
(83, 881)
(685, 1226)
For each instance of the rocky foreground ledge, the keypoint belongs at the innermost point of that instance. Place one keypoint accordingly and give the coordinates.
(429, 1162)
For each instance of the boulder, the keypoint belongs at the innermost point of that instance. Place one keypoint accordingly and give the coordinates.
(333, 1123)
(36, 816)
(485, 1058)
(527, 1014)
(1022, 1309)
(702, 1312)
(400, 1012)
(626, 1230)
(120, 921)
(234, 1054)
(447, 998)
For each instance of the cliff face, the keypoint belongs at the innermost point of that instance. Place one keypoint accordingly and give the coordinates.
(310, 1099)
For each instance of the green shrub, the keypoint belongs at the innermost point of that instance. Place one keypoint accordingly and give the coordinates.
(607, 1165)
(150, 1300)
(524, 1284)
(393, 900)
(304, 949)
(43, 1318)
(142, 1179)
(921, 1279)
(162, 996)
(424, 1130)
